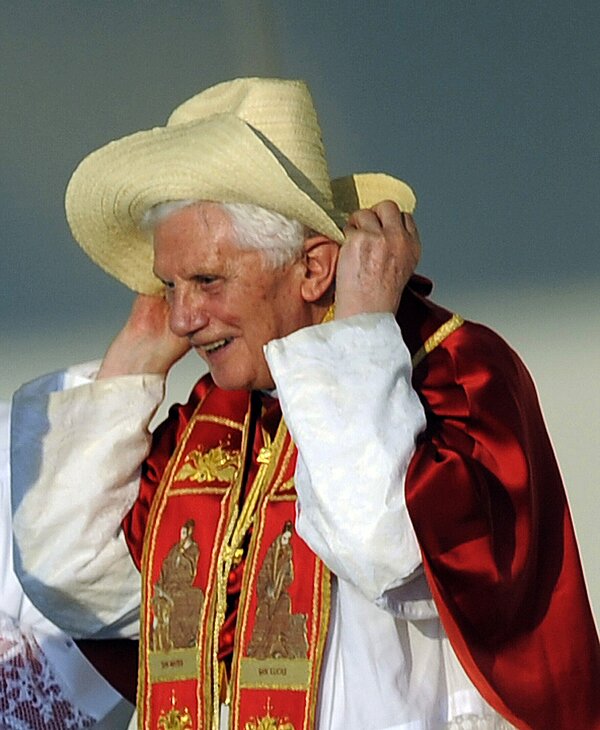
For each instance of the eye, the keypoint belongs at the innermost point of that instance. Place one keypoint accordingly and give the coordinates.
(169, 289)
(206, 280)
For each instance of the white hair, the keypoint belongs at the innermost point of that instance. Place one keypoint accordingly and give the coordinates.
(279, 238)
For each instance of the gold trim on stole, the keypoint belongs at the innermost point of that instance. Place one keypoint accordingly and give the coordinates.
(234, 537)
(298, 674)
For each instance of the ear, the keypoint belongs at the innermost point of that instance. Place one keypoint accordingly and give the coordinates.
(320, 262)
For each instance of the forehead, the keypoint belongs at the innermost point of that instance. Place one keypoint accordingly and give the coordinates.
(199, 233)
(195, 221)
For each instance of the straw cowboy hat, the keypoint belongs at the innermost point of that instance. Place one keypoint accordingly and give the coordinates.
(249, 140)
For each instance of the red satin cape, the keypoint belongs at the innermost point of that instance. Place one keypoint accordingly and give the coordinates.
(487, 502)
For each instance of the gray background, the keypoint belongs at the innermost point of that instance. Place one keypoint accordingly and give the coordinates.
(488, 109)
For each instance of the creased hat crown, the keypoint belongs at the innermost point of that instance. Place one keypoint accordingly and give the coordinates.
(281, 111)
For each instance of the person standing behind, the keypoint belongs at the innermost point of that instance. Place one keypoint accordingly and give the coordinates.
(46, 683)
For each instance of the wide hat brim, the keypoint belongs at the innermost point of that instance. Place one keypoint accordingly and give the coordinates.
(221, 159)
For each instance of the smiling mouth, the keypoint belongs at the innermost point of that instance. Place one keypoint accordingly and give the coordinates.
(214, 346)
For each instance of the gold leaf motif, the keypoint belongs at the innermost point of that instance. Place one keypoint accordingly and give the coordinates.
(216, 464)
(173, 719)
(268, 722)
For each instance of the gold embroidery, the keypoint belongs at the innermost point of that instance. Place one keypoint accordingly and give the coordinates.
(301, 675)
(237, 557)
(288, 486)
(329, 314)
(264, 455)
(176, 603)
(437, 338)
(320, 624)
(285, 460)
(239, 524)
(268, 722)
(220, 420)
(236, 518)
(278, 633)
(173, 719)
(183, 491)
(216, 464)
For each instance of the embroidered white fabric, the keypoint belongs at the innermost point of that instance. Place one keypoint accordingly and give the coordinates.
(31, 695)
(346, 395)
(473, 722)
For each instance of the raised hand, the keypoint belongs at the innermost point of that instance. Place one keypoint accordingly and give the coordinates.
(145, 344)
(381, 251)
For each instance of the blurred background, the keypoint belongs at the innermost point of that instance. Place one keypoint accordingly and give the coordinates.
(489, 110)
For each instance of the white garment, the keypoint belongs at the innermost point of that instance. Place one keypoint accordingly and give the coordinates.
(43, 675)
(346, 396)
(64, 444)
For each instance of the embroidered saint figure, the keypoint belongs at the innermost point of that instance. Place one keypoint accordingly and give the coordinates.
(277, 631)
(176, 602)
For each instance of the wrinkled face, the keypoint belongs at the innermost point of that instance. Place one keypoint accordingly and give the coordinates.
(227, 301)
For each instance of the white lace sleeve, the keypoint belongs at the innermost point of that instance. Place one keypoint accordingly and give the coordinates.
(346, 395)
(31, 693)
(76, 455)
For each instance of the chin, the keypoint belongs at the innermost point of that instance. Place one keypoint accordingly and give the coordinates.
(238, 383)
(226, 382)
(230, 385)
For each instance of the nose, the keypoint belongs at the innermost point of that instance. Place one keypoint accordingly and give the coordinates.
(187, 312)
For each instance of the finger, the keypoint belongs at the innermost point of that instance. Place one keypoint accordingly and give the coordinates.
(409, 223)
(388, 213)
(365, 219)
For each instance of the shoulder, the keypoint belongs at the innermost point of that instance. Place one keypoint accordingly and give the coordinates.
(476, 344)
(472, 344)
(473, 367)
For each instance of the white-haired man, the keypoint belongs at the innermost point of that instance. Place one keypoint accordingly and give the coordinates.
(434, 568)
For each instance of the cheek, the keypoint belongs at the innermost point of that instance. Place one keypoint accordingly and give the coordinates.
(256, 309)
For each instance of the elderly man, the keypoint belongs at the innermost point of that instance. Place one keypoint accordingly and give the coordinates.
(435, 580)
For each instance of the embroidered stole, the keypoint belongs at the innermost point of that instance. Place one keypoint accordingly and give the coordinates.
(203, 519)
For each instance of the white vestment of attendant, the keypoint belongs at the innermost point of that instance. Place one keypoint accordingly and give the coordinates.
(44, 678)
